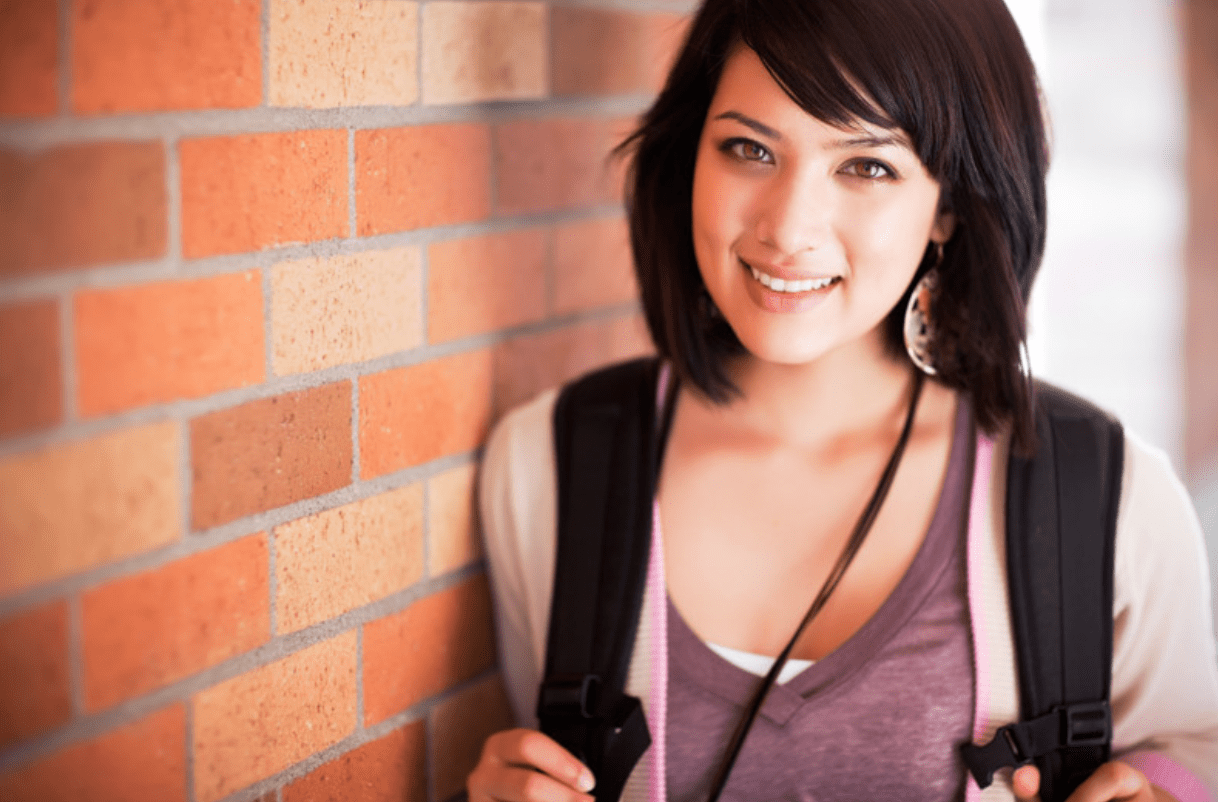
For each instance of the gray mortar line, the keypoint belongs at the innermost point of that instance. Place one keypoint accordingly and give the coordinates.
(67, 353)
(132, 273)
(426, 527)
(173, 203)
(34, 135)
(359, 678)
(185, 477)
(268, 323)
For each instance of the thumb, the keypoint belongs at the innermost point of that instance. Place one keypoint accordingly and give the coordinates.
(1026, 783)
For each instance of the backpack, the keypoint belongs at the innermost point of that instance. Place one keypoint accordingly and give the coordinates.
(1060, 523)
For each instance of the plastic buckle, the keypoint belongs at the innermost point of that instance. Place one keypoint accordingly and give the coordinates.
(570, 695)
(1086, 724)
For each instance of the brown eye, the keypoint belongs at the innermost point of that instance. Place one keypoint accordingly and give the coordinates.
(870, 169)
(747, 150)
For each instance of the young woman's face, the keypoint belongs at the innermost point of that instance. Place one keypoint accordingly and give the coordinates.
(806, 234)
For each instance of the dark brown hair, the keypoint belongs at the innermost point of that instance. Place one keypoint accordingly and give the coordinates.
(952, 74)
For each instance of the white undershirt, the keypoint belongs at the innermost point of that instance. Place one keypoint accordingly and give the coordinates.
(759, 664)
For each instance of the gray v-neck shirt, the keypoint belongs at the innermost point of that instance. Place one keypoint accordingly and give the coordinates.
(879, 718)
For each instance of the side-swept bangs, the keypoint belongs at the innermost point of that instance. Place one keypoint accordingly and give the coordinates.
(954, 75)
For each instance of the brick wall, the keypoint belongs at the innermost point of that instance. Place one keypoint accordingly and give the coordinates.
(270, 269)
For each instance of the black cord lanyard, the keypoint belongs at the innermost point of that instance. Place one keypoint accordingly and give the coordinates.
(839, 569)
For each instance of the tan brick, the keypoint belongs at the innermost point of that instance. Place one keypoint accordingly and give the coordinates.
(29, 42)
(269, 453)
(435, 643)
(345, 309)
(35, 694)
(160, 342)
(524, 366)
(477, 51)
(428, 175)
(485, 283)
(145, 631)
(593, 265)
(245, 193)
(148, 55)
(389, 769)
(452, 520)
(340, 559)
(31, 389)
(258, 724)
(553, 164)
(144, 760)
(459, 727)
(412, 415)
(326, 53)
(600, 51)
(79, 205)
(76, 506)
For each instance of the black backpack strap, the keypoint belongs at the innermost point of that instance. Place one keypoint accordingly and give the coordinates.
(606, 460)
(1061, 524)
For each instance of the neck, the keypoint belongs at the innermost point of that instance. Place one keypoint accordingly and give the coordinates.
(853, 388)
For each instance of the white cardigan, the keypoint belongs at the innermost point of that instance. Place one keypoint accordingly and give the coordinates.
(1165, 668)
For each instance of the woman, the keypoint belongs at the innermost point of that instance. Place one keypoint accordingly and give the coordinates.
(809, 166)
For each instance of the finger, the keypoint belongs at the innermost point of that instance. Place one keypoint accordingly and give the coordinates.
(1026, 783)
(515, 784)
(532, 749)
(1111, 781)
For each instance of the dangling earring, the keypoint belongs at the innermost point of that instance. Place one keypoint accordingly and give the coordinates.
(919, 324)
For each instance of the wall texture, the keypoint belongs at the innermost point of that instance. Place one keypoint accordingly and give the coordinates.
(270, 269)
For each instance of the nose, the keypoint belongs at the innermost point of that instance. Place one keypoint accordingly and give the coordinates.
(794, 212)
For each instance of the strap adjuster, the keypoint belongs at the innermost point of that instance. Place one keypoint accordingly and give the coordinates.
(1086, 724)
(568, 695)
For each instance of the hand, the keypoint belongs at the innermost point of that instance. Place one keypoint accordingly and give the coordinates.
(1111, 781)
(526, 766)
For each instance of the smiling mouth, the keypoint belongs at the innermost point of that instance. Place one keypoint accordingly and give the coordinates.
(790, 285)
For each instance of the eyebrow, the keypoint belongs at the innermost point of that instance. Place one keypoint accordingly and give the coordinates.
(864, 140)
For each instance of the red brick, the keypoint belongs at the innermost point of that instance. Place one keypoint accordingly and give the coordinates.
(245, 193)
(75, 506)
(430, 175)
(460, 726)
(452, 520)
(258, 724)
(553, 164)
(390, 769)
(433, 644)
(160, 342)
(485, 283)
(81, 205)
(30, 383)
(412, 415)
(29, 36)
(35, 695)
(603, 51)
(150, 55)
(269, 453)
(141, 762)
(592, 265)
(524, 366)
(145, 631)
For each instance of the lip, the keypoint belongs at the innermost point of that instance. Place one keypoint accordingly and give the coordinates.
(784, 302)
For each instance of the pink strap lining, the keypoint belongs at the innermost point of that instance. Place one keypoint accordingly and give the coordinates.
(977, 530)
(658, 593)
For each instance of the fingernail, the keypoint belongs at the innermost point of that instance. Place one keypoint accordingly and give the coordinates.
(586, 781)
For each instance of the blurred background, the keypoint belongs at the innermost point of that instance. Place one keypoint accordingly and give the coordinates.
(269, 270)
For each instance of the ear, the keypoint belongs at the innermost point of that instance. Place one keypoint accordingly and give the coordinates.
(943, 228)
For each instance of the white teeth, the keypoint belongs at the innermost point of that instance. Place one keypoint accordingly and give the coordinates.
(782, 285)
